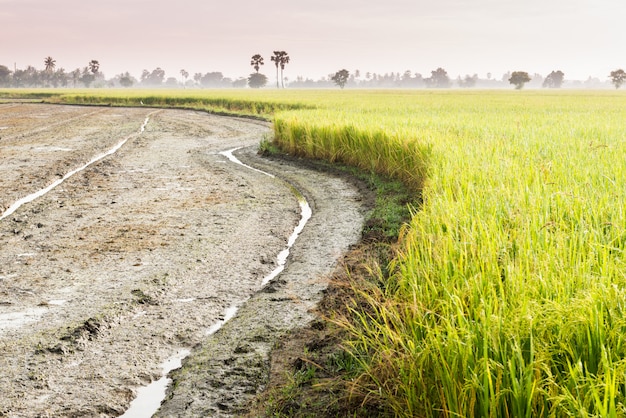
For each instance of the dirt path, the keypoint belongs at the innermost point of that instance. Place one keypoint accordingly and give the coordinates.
(137, 256)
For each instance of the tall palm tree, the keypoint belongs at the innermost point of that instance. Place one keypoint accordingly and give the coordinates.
(257, 61)
(185, 74)
(50, 63)
(283, 61)
(276, 59)
(94, 66)
(280, 58)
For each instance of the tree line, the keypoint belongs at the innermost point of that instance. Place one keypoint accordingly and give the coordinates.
(91, 76)
(50, 76)
(439, 79)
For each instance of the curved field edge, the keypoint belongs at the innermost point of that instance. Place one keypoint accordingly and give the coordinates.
(230, 103)
(506, 293)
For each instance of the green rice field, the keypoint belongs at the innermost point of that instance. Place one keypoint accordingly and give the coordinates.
(507, 297)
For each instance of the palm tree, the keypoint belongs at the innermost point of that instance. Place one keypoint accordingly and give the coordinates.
(284, 61)
(50, 63)
(257, 61)
(185, 74)
(280, 58)
(94, 66)
(276, 59)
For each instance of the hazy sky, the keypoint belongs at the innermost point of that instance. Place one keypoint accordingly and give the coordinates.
(580, 37)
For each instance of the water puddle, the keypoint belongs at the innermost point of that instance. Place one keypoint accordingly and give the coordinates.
(228, 315)
(14, 320)
(43, 149)
(15, 206)
(57, 302)
(305, 210)
(229, 154)
(185, 300)
(149, 397)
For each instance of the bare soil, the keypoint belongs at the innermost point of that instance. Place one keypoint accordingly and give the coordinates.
(137, 256)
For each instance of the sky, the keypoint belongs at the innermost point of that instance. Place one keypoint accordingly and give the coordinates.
(582, 38)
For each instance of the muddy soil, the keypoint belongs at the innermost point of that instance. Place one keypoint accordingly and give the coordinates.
(145, 251)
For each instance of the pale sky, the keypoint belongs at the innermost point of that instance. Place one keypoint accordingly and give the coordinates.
(582, 38)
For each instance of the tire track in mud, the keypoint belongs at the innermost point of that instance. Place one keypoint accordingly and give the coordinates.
(52, 125)
(222, 375)
(134, 257)
(27, 199)
(38, 151)
(149, 398)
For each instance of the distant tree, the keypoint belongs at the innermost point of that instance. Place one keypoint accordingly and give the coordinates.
(184, 74)
(438, 79)
(276, 59)
(154, 78)
(212, 79)
(618, 77)
(197, 77)
(33, 77)
(47, 73)
(94, 66)
(87, 76)
(240, 83)
(341, 78)
(126, 80)
(5, 76)
(405, 79)
(519, 78)
(50, 64)
(468, 81)
(280, 58)
(30, 77)
(76, 76)
(59, 77)
(18, 78)
(256, 62)
(554, 80)
(409, 79)
(284, 60)
(257, 80)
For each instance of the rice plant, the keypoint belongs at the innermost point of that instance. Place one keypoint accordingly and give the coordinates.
(508, 294)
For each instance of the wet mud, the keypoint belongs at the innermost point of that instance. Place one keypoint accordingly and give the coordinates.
(145, 252)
